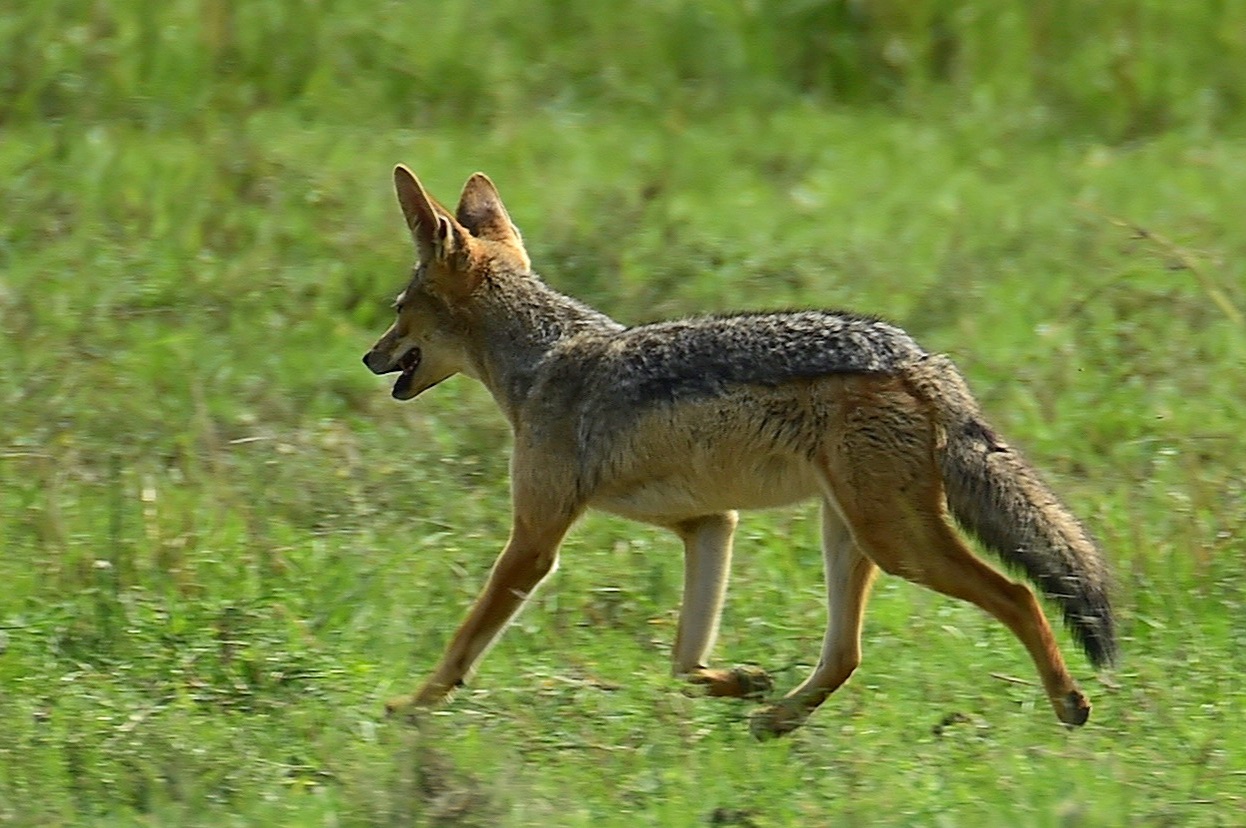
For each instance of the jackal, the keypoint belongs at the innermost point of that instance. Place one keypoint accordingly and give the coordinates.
(681, 423)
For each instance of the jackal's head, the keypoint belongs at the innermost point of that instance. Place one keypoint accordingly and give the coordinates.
(429, 340)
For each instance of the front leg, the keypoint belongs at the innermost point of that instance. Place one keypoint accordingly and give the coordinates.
(707, 564)
(530, 555)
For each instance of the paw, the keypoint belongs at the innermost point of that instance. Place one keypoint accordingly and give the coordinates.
(741, 682)
(401, 707)
(1073, 709)
(751, 682)
(407, 705)
(778, 719)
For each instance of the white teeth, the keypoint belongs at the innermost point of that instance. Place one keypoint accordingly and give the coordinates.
(410, 360)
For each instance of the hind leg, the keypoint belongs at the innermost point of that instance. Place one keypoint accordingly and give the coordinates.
(707, 564)
(923, 548)
(884, 476)
(848, 577)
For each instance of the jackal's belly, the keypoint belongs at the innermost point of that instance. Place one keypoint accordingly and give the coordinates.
(704, 485)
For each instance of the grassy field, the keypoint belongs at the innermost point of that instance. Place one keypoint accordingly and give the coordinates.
(223, 545)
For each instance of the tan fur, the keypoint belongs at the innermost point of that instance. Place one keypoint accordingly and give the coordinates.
(681, 424)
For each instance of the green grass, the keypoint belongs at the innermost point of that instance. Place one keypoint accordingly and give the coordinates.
(223, 545)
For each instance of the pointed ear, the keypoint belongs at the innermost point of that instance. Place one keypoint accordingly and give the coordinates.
(482, 213)
(435, 231)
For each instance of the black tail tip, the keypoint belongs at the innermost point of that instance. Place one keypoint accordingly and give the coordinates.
(1096, 635)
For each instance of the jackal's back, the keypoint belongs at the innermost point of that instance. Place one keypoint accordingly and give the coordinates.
(708, 356)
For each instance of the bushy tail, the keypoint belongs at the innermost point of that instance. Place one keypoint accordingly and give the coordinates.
(995, 495)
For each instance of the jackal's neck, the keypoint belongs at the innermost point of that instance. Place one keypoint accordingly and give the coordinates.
(521, 322)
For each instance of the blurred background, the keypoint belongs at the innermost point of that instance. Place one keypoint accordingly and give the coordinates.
(223, 543)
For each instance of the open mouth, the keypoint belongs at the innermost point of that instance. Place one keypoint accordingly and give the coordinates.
(407, 364)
